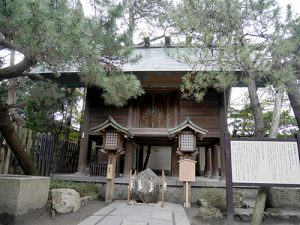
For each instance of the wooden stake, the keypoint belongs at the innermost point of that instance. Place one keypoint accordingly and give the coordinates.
(129, 187)
(187, 204)
(110, 183)
(163, 179)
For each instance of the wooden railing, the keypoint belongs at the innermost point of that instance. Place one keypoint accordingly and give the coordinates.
(98, 168)
(53, 155)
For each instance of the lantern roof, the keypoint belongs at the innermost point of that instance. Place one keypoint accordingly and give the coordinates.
(187, 125)
(111, 123)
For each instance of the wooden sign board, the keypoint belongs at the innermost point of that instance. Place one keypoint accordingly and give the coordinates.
(109, 174)
(270, 162)
(187, 170)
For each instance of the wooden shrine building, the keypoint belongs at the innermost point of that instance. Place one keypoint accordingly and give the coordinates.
(151, 129)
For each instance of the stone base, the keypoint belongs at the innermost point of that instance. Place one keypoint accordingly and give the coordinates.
(20, 193)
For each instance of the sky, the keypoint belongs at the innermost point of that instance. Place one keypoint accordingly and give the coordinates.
(294, 3)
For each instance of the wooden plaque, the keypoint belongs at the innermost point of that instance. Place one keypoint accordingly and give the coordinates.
(109, 174)
(187, 170)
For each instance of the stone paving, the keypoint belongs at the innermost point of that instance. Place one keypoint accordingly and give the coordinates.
(119, 212)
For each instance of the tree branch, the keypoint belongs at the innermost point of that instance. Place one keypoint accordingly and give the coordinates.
(11, 46)
(16, 117)
(6, 106)
(153, 39)
(18, 69)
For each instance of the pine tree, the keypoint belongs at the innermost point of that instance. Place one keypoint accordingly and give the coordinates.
(54, 34)
(236, 38)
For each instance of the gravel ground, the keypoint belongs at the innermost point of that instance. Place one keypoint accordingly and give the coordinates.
(194, 220)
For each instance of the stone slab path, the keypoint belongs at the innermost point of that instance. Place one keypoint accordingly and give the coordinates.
(121, 213)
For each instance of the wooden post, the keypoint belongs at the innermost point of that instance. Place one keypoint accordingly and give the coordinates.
(163, 180)
(187, 204)
(298, 142)
(110, 177)
(229, 186)
(129, 187)
(215, 161)
(223, 105)
(207, 171)
(174, 160)
(129, 147)
(141, 159)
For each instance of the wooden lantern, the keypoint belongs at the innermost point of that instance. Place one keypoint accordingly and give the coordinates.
(113, 140)
(187, 141)
(187, 134)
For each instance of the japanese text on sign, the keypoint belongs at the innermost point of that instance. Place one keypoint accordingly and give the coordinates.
(265, 162)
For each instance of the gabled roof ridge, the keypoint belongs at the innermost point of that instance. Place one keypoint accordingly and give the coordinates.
(111, 122)
(187, 123)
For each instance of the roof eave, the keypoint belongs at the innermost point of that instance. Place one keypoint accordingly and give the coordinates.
(110, 122)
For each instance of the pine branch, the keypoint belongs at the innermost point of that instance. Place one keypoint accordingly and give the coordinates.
(6, 106)
(5, 44)
(18, 69)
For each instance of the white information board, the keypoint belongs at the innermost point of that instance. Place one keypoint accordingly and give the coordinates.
(265, 162)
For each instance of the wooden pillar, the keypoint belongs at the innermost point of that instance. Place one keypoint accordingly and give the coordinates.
(174, 160)
(215, 161)
(207, 171)
(186, 194)
(84, 141)
(130, 115)
(110, 178)
(223, 105)
(141, 159)
(176, 109)
(129, 148)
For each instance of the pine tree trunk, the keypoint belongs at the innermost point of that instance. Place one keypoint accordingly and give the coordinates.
(8, 131)
(259, 133)
(294, 96)
(256, 108)
(276, 113)
(270, 201)
(131, 21)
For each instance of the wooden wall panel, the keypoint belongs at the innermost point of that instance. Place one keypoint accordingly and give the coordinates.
(204, 114)
(99, 115)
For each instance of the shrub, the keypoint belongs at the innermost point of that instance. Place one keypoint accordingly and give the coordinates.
(84, 189)
(216, 197)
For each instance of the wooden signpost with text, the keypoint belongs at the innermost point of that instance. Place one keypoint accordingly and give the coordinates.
(187, 174)
(266, 162)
